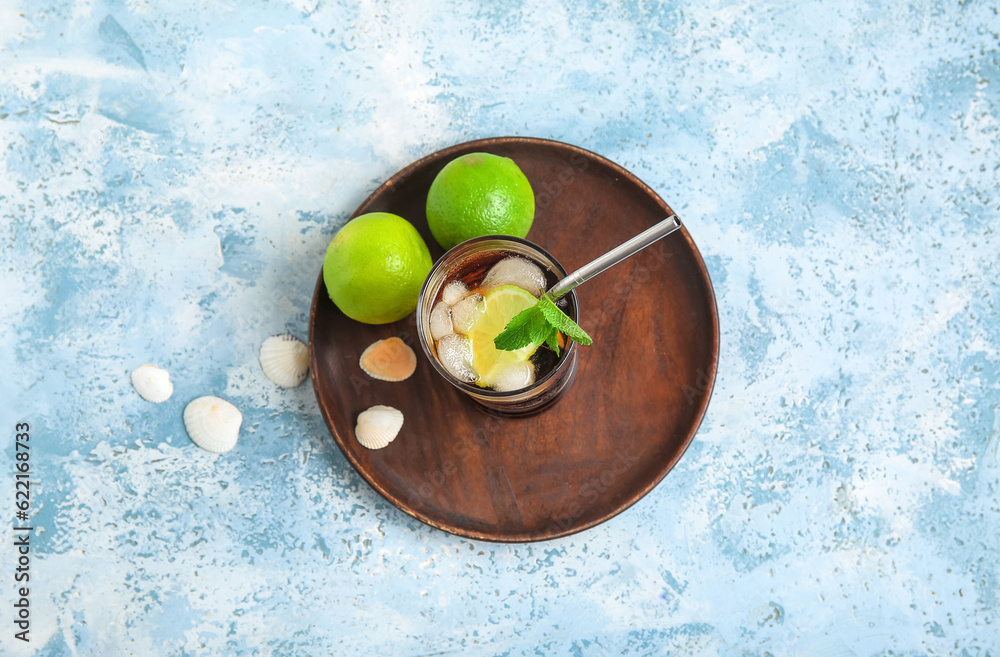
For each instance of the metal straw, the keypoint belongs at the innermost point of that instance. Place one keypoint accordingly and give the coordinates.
(614, 256)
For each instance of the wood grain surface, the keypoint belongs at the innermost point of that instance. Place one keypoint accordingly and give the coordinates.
(639, 395)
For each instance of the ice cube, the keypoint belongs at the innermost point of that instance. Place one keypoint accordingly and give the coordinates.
(465, 313)
(514, 377)
(454, 292)
(455, 354)
(516, 271)
(440, 321)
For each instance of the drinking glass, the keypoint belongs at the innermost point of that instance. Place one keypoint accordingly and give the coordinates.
(468, 262)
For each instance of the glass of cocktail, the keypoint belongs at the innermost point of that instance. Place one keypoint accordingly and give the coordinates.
(468, 298)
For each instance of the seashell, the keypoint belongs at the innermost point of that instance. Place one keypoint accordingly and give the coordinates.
(378, 426)
(440, 321)
(454, 292)
(285, 360)
(388, 360)
(152, 383)
(213, 423)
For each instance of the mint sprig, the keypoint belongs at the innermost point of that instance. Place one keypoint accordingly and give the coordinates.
(541, 323)
(527, 327)
(562, 322)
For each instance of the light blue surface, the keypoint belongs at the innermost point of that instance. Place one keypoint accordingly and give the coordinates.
(170, 178)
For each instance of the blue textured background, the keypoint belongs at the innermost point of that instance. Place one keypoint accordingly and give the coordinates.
(169, 180)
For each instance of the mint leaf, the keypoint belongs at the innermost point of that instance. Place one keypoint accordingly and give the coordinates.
(561, 321)
(541, 323)
(527, 327)
(553, 341)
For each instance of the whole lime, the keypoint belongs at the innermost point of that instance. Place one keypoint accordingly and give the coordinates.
(375, 266)
(479, 194)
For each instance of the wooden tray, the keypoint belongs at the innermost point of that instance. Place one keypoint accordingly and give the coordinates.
(640, 392)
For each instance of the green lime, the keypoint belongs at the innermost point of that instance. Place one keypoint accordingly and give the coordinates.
(502, 303)
(375, 266)
(479, 194)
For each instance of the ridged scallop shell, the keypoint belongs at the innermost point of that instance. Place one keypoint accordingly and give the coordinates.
(285, 360)
(152, 383)
(213, 423)
(378, 426)
(388, 360)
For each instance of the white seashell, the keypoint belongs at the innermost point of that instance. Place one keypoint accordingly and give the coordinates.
(516, 271)
(213, 423)
(465, 313)
(285, 360)
(440, 321)
(378, 426)
(388, 360)
(454, 292)
(152, 383)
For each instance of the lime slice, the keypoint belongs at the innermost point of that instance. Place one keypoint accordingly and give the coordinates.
(502, 303)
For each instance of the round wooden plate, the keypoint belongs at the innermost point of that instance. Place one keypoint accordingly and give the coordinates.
(639, 395)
